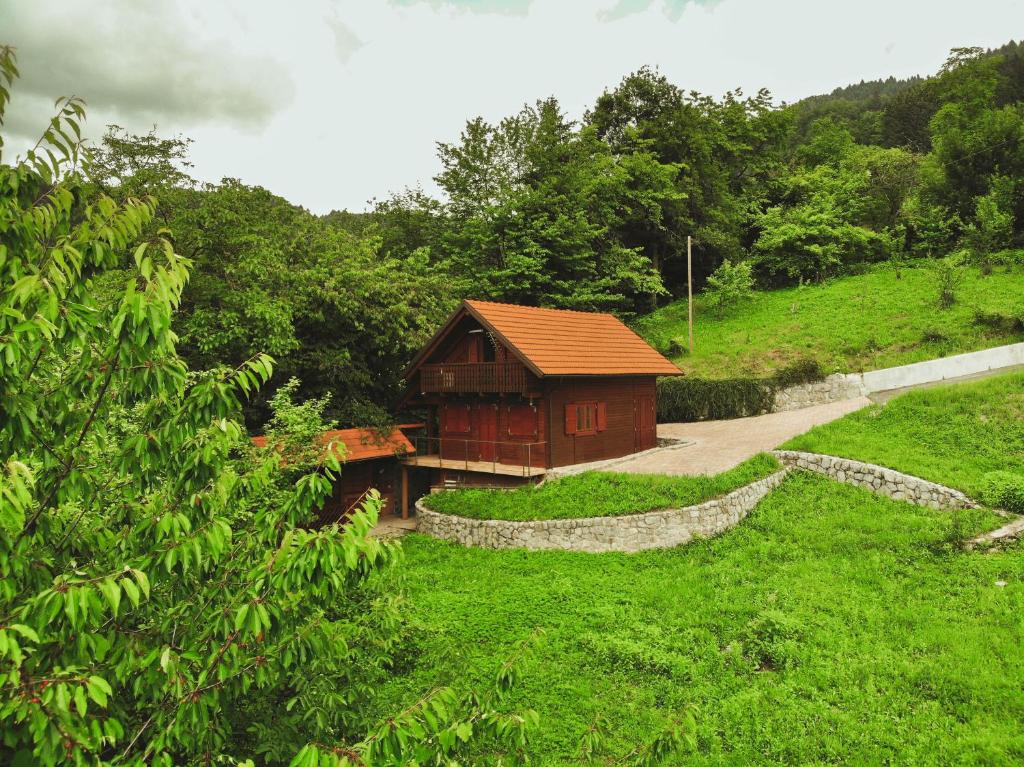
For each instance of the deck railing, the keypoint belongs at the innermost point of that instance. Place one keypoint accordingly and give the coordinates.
(524, 459)
(473, 378)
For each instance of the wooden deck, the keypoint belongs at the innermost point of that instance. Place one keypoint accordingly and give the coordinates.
(483, 467)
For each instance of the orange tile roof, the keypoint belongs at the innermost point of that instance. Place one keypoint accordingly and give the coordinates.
(560, 342)
(362, 444)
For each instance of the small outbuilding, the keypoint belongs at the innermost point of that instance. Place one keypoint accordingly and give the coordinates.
(370, 461)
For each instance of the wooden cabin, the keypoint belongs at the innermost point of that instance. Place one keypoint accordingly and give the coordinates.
(512, 391)
(370, 460)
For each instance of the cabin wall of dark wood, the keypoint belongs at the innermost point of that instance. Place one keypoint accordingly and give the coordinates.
(627, 429)
(510, 448)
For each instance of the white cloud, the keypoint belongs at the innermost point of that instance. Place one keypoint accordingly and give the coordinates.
(333, 102)
(141, 62)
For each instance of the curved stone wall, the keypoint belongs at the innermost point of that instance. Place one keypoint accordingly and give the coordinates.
(878, 479)
(629, 532)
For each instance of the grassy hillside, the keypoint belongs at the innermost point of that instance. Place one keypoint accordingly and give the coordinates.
(849, 324)
(951, 434)
(831, 627)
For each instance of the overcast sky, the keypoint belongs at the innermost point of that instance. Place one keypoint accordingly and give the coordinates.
(330, 103)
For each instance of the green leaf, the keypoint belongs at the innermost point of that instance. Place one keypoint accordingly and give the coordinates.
(98, 690)
(112, 592)
(26, 631)
(80, 702)
(131, 590)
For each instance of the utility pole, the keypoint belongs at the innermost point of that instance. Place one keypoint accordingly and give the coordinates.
(689, 284)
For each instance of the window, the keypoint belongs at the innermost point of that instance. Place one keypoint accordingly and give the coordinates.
(455, 419)
(584, 418)
(522, 421)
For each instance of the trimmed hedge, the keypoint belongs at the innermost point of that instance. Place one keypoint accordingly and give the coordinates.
(1003, 490)
(703, 399)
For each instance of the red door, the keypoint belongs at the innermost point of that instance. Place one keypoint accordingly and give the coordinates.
(645, 423)
(487, 422)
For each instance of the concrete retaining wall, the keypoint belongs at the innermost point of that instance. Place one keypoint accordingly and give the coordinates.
(878, 479)
(946, 367)
(629, 532)
(842, 386)
(834, 388)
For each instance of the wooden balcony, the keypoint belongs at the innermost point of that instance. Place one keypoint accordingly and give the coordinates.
(511, 459)
(474, 378)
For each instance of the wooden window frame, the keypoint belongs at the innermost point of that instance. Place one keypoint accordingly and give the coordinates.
(578, 423)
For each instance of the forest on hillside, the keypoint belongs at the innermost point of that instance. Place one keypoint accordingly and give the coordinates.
(590, 214)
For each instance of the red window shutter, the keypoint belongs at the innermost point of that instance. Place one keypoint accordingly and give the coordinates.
(570, 419)
(522, 421)
(602, 416)
(455, 419)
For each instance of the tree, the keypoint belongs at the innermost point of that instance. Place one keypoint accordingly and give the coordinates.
(161, 598)
(340, 308)
(729, 285)
(992, 228)
(536, 212)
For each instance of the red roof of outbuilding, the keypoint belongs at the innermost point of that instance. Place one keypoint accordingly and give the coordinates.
(560, 342)
(362, 444)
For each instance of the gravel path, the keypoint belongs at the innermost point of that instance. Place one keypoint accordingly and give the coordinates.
(718, 446)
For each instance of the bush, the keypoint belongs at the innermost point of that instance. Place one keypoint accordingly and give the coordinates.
(729, 285)
(1003, 490)
(770, 641)
(702, 399)
(802, 371)
(676, 347)
(998, 321)
(948, 277)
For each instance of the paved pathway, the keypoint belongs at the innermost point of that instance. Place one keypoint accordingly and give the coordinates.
(717, 446)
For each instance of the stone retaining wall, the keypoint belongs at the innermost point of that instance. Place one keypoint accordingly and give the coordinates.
(878, 479)
(833, 388)
(629, 532)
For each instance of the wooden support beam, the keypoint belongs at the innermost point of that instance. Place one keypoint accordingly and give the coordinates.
(405, 492)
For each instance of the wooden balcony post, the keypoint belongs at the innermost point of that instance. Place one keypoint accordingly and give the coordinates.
(405, 492)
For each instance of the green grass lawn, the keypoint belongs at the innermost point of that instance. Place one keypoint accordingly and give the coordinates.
(849, 324)
(830, 627)
(599, 494)
(951, 434)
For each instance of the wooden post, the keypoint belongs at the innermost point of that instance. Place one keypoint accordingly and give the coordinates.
(689, 285)
(405, 492)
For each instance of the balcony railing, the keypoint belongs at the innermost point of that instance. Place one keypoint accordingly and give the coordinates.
(473, 378)
(513, 459)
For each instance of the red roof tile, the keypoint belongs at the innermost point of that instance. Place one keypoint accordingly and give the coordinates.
(558, 342)
(361, 444)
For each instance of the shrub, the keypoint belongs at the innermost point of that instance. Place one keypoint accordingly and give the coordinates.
(948, 278)
(702, 399)
(676, 347)
(1003, 490)
(999, 321)
(729, 285)
(770, 641)
(805, 370)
